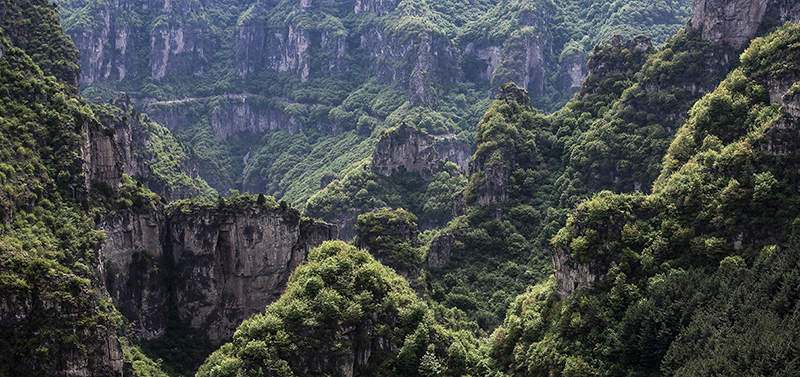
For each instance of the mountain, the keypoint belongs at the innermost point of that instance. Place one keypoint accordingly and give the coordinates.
(240, 81)
(660, 199)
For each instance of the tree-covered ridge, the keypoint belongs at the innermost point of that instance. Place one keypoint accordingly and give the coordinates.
(49, 262)
(342, 313)
(34, 28)
(722, 191)
(335, 67)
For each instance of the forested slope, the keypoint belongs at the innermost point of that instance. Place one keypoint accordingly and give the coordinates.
(696, 277)
(241, 81)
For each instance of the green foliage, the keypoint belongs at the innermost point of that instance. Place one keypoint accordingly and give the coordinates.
(363, 190)
(47, 215)
(338, 287)
(392, 232)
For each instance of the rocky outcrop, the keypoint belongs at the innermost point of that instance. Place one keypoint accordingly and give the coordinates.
(71, 336)
(231, 266)
(454, 150)
(381, 7)
(230, 115)
(346, 223)
(780, 137)
(236, 117)
(737, 21)
(134, 262)
(571, 275)
(226, 265)
(490, 167)
(107, 51)
(440, 250)
(405, 147)
(281, 50)
(101, 158)
(488, 54)
(177, 49)
(418, 62)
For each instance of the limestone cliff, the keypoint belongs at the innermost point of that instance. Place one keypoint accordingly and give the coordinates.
(490, 167)
(407, 148)
(236, 117)
(229, 115)
(572, 275)
(231, 266)
(737, 21)
(419, 61)
(134, 262)
(101, 157)
(225, 264)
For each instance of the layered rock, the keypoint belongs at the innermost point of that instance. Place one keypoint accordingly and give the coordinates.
(101, 157)
(572, 275)
(227, 265)
(177, 49)
(737, 21)
(233, 118)
(419, 61)
(134, 263)
(231, 266)
(407, 148)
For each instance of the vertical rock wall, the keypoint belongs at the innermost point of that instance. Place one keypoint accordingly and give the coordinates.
(224, 265)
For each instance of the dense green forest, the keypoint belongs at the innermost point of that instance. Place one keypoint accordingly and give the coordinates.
(663, 195)
(715, 232)
(332, 75)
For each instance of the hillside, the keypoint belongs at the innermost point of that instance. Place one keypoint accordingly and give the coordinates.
(648, 227)
(241, 82)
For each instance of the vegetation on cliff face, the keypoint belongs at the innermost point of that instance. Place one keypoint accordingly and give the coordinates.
(55, 306)
(343, 313)
(325, 73)
(699, 271)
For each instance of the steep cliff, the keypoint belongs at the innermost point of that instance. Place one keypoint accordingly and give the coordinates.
(216, 267)
(407, 148)
(134, 261)
(146, 151)
(343, 314)
(428, 64)
(736, 22)
(229, 267)
(498, 140)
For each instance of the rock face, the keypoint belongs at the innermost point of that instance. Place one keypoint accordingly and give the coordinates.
(101, 157)
(227, 265)
(231, 115)
(242, 117)
(134, 152)
(72, 338)
(407, 148)
(490, 167)
(440, 251)
(232, 266)
(418, 62)
(737, 21)
(457, 152)
(134, 261)
(571, 275)
(176, 49)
